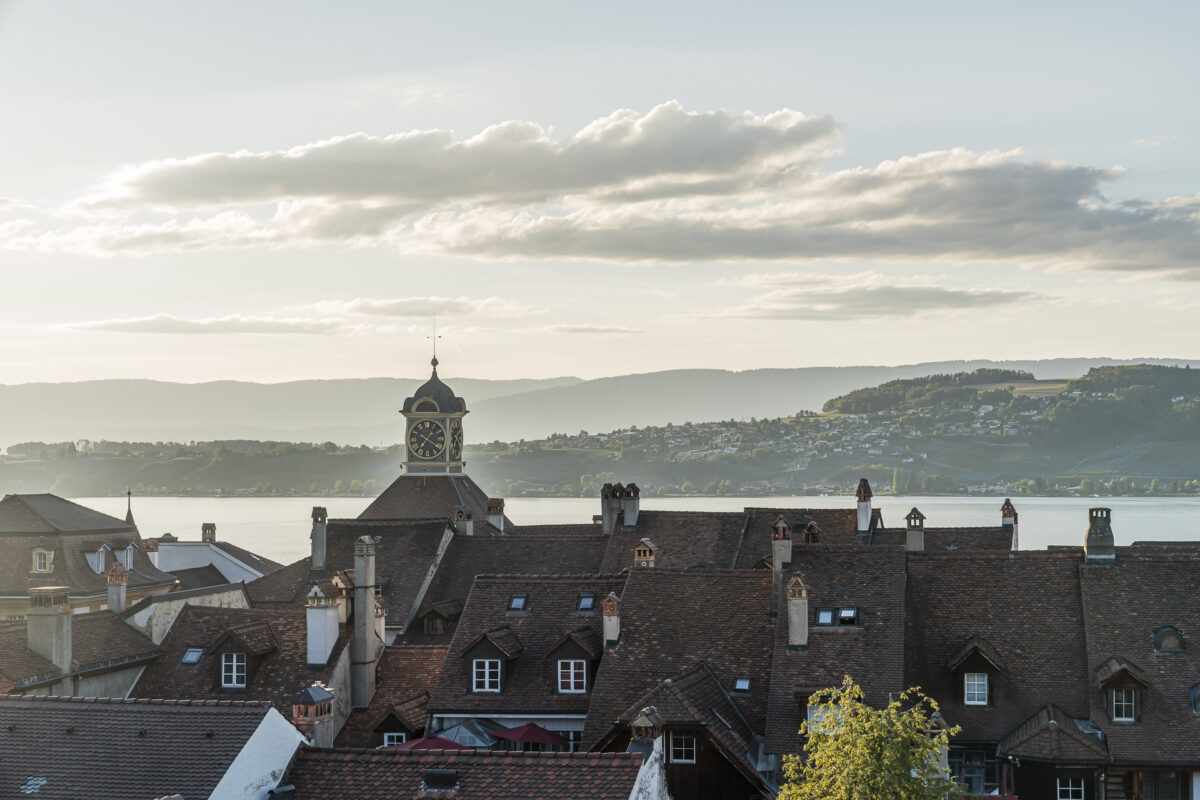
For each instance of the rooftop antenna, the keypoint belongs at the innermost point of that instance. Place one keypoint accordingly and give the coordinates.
(434, 338)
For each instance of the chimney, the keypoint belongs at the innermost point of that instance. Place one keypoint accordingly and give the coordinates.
(320, 518)
(1008, 518)
(463, 521)
(117, 576)
(781, 546)
(797, 610)
(630, 503)
(208, 532)
(643, 553)
(150, 547)
(322, 632)
(915, 542)
(609, 501)
(48, 624)
(495, 513)
(612, 619)
(645, 728)
(362, 646)
(312, 714)
(863, 493)
(1098, 546)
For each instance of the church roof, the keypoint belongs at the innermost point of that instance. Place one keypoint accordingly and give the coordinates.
(441, 394)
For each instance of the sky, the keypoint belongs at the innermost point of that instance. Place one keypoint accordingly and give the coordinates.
(276, 191)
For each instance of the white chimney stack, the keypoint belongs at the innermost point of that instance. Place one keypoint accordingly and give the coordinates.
(797, 611)
(117, 578)
(463, 521)
(781, 545)
(1008, 518)
(915, 539)
(495, 512)
(863, 493)
(612, 619)
(322, 631)
(48, 624)
(320, 519)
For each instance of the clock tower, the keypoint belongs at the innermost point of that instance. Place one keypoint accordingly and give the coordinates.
(433, 440)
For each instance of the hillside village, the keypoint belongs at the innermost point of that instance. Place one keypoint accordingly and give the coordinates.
(433, 647)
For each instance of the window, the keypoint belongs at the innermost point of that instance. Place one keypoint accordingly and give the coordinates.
(975, 688)
(977, 770)
(192, 656)
(1194, 693)
(741, 683)
(1169, 640)
(1160, 785)
(390, 739)
(573, 738)
(848, 616)
(586, 602)
(433, 625)
(517, 602)
(824, 616)
(487, 675)
(572, 676)
(41, 561)
(233, 670)
(1123, 702)
(1070, 789)
(683, 748)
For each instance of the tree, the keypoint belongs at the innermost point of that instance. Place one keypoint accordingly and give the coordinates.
(855, 752)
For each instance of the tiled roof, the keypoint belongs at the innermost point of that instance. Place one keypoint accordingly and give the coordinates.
(83, 747)
(483, 774)
(431, 497)
(837, 526)
(551, 612)
(99, 640)
(253, 560)
(1052, 735)
(1026, 606)
(672, 619)
(69, 566)
(939, 539)
(48, 513)
(405, 673)
(870, 580)
(199, 577)
(1125, 604)
(404, 553)
(685, 539)
(282, 673)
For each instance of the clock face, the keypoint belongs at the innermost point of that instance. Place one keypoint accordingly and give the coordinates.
(456, 439)
(426, 439)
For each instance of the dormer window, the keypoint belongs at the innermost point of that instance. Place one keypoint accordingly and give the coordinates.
(1123, 703)
(518, 602)
(1169, 640)
(486, 675)
(572, 676)
(587, 602)
(233, 670)
(975, 688)
(42, 560)
(426, 406)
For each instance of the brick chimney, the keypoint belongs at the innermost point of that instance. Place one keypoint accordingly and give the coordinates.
(208, 532)
(863, 493)
(797, 612)
(611, 607)
(312, 714)
(320, 519)
(117, 577)
(495, 512)
(630, 504)
(643, 553)
(322, 626)
(463, 521)
(1008, 518)
(781, 546)
(48, 624)
(1098, 546)
(915, 540)
(363, 649)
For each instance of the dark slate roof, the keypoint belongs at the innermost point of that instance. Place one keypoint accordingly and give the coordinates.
(838, 526)
(1125, 604)
(48, 513)
(672, 619)
(1026, 606)
(199, 577)
(432, 497)
(685, 539)
(696, 698)
(405, 678)
(551, 612)
(99, 641)
(441, 394)
(135, 749)
(483, 774)
(278, 636)
(996, 537)
(403, 555)
(1051, 735)
(872, 652)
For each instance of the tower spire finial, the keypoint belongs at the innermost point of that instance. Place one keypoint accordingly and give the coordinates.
(128, 506)
(434, 338)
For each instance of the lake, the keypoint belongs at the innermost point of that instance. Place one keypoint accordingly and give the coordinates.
(278, 527)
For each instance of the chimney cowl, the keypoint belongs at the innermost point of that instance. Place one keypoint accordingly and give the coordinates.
(1099, 544)
(863, 492)
(915, 519)
(319, 514)
(116, 574)
(208, 532)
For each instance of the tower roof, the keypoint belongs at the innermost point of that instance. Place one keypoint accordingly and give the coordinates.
(439, 393)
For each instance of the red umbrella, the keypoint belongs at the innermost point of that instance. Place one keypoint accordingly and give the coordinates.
(430, 743)
(531, 734)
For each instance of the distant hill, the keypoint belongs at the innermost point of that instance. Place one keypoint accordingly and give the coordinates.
(365, 411)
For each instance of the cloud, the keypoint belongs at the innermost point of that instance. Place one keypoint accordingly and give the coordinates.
(233, 323)
(429, 307)
(1154, 141)
(669, 186)
(591, 329)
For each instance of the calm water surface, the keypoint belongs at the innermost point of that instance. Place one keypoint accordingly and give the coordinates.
(278, 527)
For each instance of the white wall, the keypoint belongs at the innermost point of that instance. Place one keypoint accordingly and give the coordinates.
(156, 619)
(190, 555)
(651, 782)
(260, 765)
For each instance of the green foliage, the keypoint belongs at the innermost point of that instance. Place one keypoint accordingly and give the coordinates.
(855, 752)
(933, 390)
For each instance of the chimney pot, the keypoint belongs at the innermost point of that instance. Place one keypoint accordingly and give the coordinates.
(863, 494)
(781, 545)
(1099, 545)
(611, 610)
(208, 532)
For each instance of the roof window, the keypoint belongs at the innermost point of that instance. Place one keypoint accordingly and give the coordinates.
(517, 602)
(587, 602)
(824, 616)
(192, 655)
(1169, 640)
(439, 780)
(741, 683)
(1195, 695)
(848, 616)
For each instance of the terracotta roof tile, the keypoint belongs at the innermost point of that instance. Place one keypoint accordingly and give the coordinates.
(406, 676)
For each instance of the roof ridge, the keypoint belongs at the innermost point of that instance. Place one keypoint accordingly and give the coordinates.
(139, 701)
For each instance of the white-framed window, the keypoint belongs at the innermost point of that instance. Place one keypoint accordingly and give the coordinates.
(1123, 705)
(394, 738)
(1070, 789)
(683, 748)
(975, 688)
(572, 676)
(233, 670)
(41, 561)
(486, 673)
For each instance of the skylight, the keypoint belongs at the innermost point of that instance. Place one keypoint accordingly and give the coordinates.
(848, 616)
(586, 602)
(741, 684)
(192, 656)
(517, 602)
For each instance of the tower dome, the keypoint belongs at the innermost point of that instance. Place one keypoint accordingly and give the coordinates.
(433, 396)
